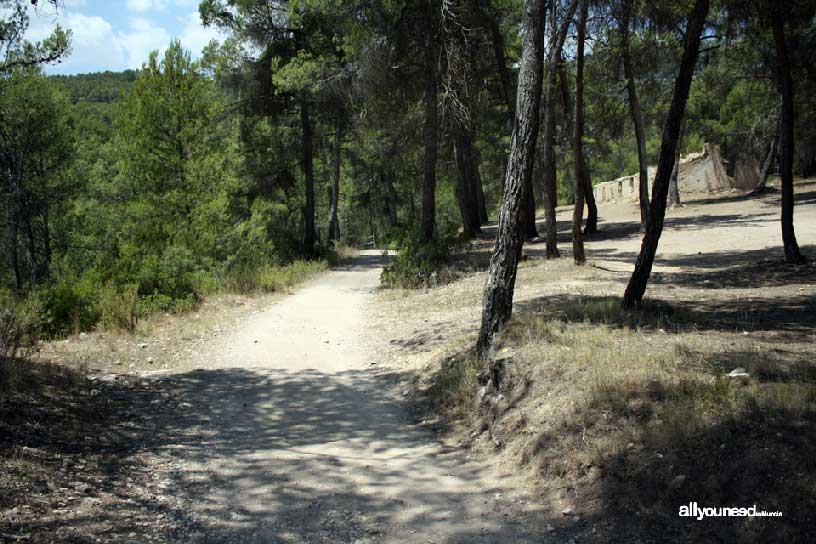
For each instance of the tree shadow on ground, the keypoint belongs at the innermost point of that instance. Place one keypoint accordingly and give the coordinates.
(724, 269)
(259, 455)
(791, 315)
(758, 457)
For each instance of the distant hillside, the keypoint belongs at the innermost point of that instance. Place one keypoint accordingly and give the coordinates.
(94, 98)
(100, 87)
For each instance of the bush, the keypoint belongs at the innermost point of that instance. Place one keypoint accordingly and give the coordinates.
(67, 309)
(272, 278)
(175, 274)
(419, 264)
(118, 306)
(21, 322)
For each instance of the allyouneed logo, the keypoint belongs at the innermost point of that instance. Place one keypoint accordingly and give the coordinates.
(691, 510)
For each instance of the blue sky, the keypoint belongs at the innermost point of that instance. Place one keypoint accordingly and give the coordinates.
(119, 34)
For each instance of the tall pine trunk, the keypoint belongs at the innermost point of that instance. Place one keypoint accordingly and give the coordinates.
(465, 193)
(558, 35)
(636, 114)
(392, 198)
(308, 175)
(674, 185)
(334, 231)
(478, 188)
(429, 132)
(530, 229)
(578, 141)
(671, 133)
(591, 226)
(766, 165)
(501, 276)
(786, 135)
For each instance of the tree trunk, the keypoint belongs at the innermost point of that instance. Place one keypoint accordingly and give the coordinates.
(334, 231)
(674, 186)
(636, 114)
(591, 226)
(530, 229)
(557, 35)
(427, 215)
(15, 265)
(479, 189)
(308, 174)
(671, 133)
(578, 141)
(465, 193)
(786, 135)
(501, 277)
(766, 166)
(501, 60)
(392, 198)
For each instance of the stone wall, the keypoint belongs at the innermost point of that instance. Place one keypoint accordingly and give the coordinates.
(699, 173)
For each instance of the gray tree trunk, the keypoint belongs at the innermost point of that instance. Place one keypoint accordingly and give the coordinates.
(501, 276)
(671, 133)
(786, 134)
(558, 35)
(430, 132)
(308, 175)
(578, 140)
(674, 187)
(334, 230)
(636, 114)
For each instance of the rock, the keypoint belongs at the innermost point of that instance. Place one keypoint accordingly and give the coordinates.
(739, 374)
(150, 360)
(143, 345)
(569, 511)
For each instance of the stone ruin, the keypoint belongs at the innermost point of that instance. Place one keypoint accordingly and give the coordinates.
(700, 173)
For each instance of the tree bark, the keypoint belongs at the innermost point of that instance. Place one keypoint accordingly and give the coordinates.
(430, 132)
(578, 141)
(786, 135)
(465, 193)
(558, 34)
(671, 132)
(334, 231)
(15, 265)
(308, 174)
(479, 188)
(674, 186)
(392, 198)
(591, 226)
(530, 229)
(636, 114)
(766, 166)
(501, 277)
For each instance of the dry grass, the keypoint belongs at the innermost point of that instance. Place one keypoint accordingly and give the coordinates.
(623, 415)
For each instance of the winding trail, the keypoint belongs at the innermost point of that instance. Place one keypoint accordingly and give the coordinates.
(292, 435)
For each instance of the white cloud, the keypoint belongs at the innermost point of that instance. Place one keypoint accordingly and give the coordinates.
(98, 44)
(140, 39)
(144, 5)
(194, 36)
(94, 42)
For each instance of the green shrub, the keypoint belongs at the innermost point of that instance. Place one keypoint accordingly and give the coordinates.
(118, 306)
(67, 309)
(421, 264)
(21, 322)
(158, 302)
(272, 278)
(174, 274)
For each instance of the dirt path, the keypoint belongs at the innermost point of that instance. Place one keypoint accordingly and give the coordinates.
(292, 436)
